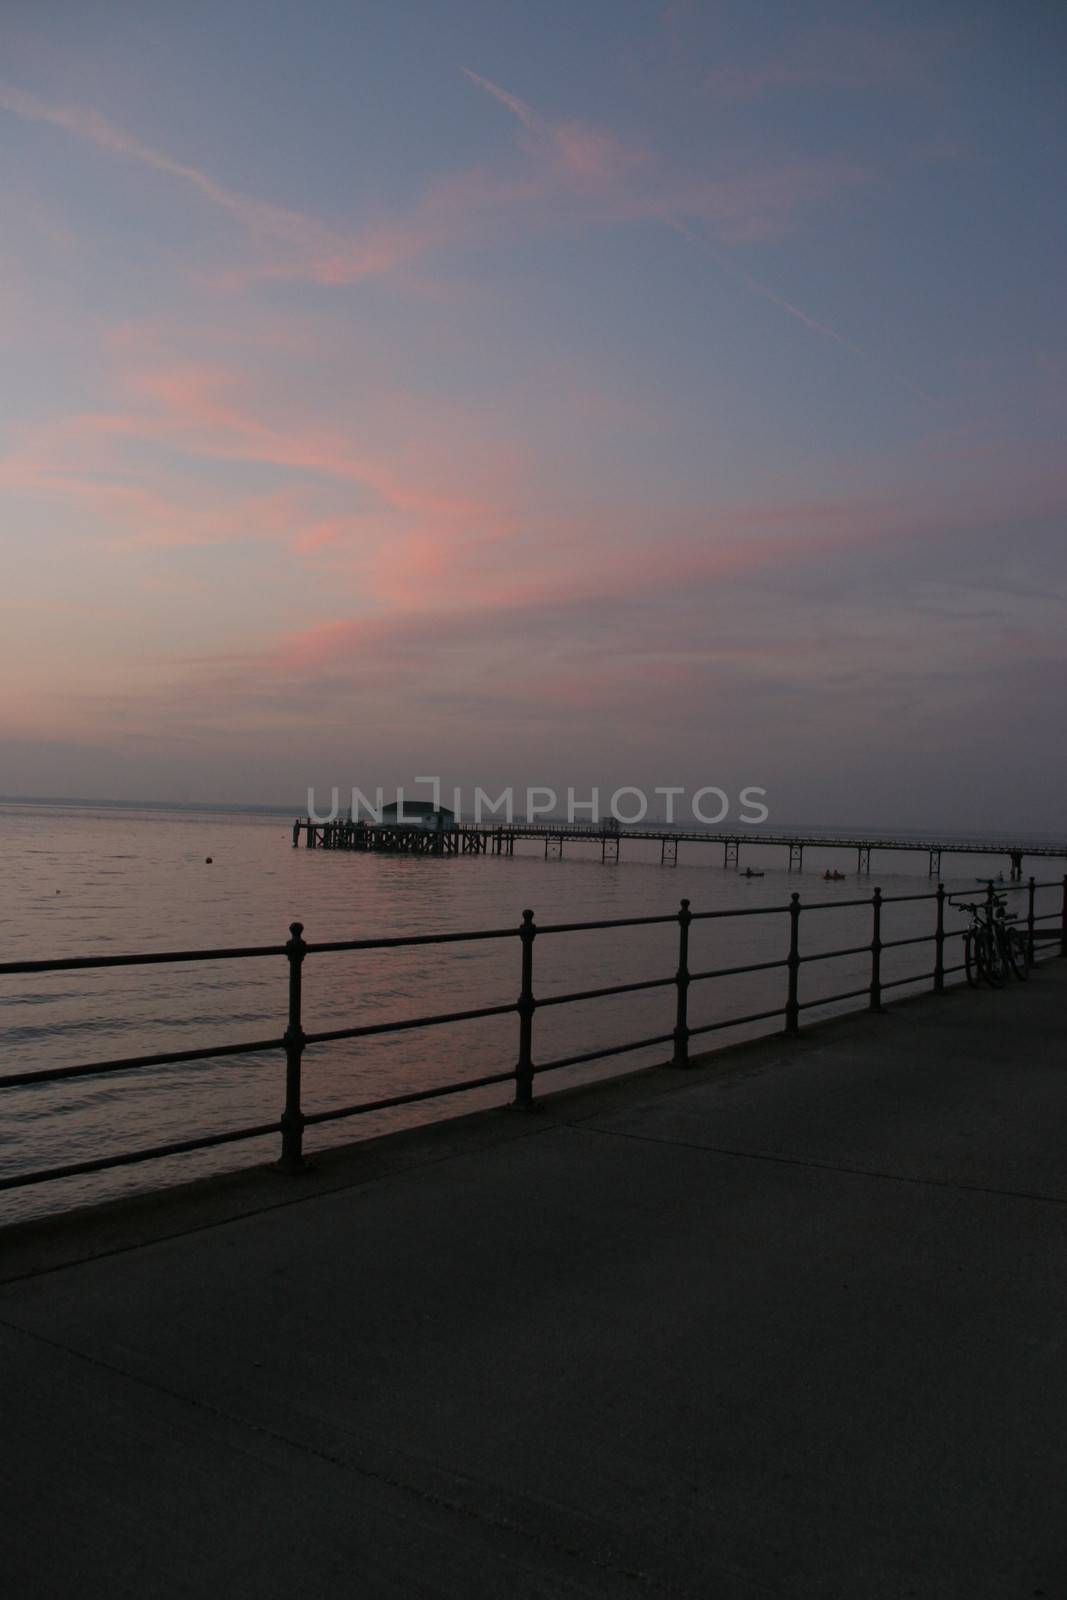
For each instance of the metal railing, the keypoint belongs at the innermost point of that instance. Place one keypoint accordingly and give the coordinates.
(296, 1040)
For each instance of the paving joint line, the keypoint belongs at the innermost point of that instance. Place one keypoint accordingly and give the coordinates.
(499, 1523)
(824, 1166)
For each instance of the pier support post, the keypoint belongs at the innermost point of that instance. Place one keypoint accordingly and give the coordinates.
(939, 942)
(876, 952)
(681, 1026)
(292, 1124)
(296, 833)
(863, 858)
(524, 1069)
(934, 864)
(792, 1004)
(796, 857)
(1063, 920)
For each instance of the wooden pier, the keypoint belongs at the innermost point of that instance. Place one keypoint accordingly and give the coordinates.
(479, 839)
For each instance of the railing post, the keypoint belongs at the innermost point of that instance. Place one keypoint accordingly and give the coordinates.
(681, 1026)
(876, 952)
(1031, 889)
(293, 1117)
(792, 1004)
(524, 1072)
(939, 942)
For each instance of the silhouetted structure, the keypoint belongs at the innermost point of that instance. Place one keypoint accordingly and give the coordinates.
(417, 814)
(473, 839)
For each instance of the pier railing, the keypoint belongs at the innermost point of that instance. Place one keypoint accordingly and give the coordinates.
(297, 1039)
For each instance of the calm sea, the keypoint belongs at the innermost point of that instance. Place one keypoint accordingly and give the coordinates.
(83, 880)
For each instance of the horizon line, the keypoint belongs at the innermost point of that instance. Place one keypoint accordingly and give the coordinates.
(277, 809)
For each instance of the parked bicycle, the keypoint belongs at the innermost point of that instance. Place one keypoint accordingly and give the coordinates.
(993, 947)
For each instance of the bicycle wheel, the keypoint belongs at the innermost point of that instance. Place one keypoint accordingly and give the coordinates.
(988, 958)
(970, 959)
(1017, 953)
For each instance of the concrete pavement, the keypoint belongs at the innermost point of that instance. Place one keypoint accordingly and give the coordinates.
(790, 1324)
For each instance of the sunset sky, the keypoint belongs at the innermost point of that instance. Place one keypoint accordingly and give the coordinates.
(560, 393)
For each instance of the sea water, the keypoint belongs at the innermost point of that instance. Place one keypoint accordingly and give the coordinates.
(99, 880)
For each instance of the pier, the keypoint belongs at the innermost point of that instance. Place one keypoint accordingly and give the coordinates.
(789, 1322)
(473, 839)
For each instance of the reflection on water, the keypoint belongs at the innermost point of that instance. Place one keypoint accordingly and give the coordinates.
(82, 881)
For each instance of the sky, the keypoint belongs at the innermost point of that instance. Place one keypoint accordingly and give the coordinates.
(595, 394)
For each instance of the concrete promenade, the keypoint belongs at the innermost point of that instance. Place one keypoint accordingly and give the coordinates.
(793, 1323)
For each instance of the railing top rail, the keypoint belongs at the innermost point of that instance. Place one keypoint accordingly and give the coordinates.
(612, 922)
(323, 946)
(471, 935)
(739, 911)
(834, 905)
(164, 1058)
(142, 958)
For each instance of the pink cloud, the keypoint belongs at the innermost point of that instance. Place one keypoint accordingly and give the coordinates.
(623, 181)
(436, 530)
(446, 521)
(427, 510)
(317, 535)
(692, 610)
(90, 127)
(575, 150)
(573, 175)
(651, 598)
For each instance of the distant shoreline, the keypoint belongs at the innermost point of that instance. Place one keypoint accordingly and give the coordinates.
(238, 808)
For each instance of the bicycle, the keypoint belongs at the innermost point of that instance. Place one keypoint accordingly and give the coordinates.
(993, 947)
